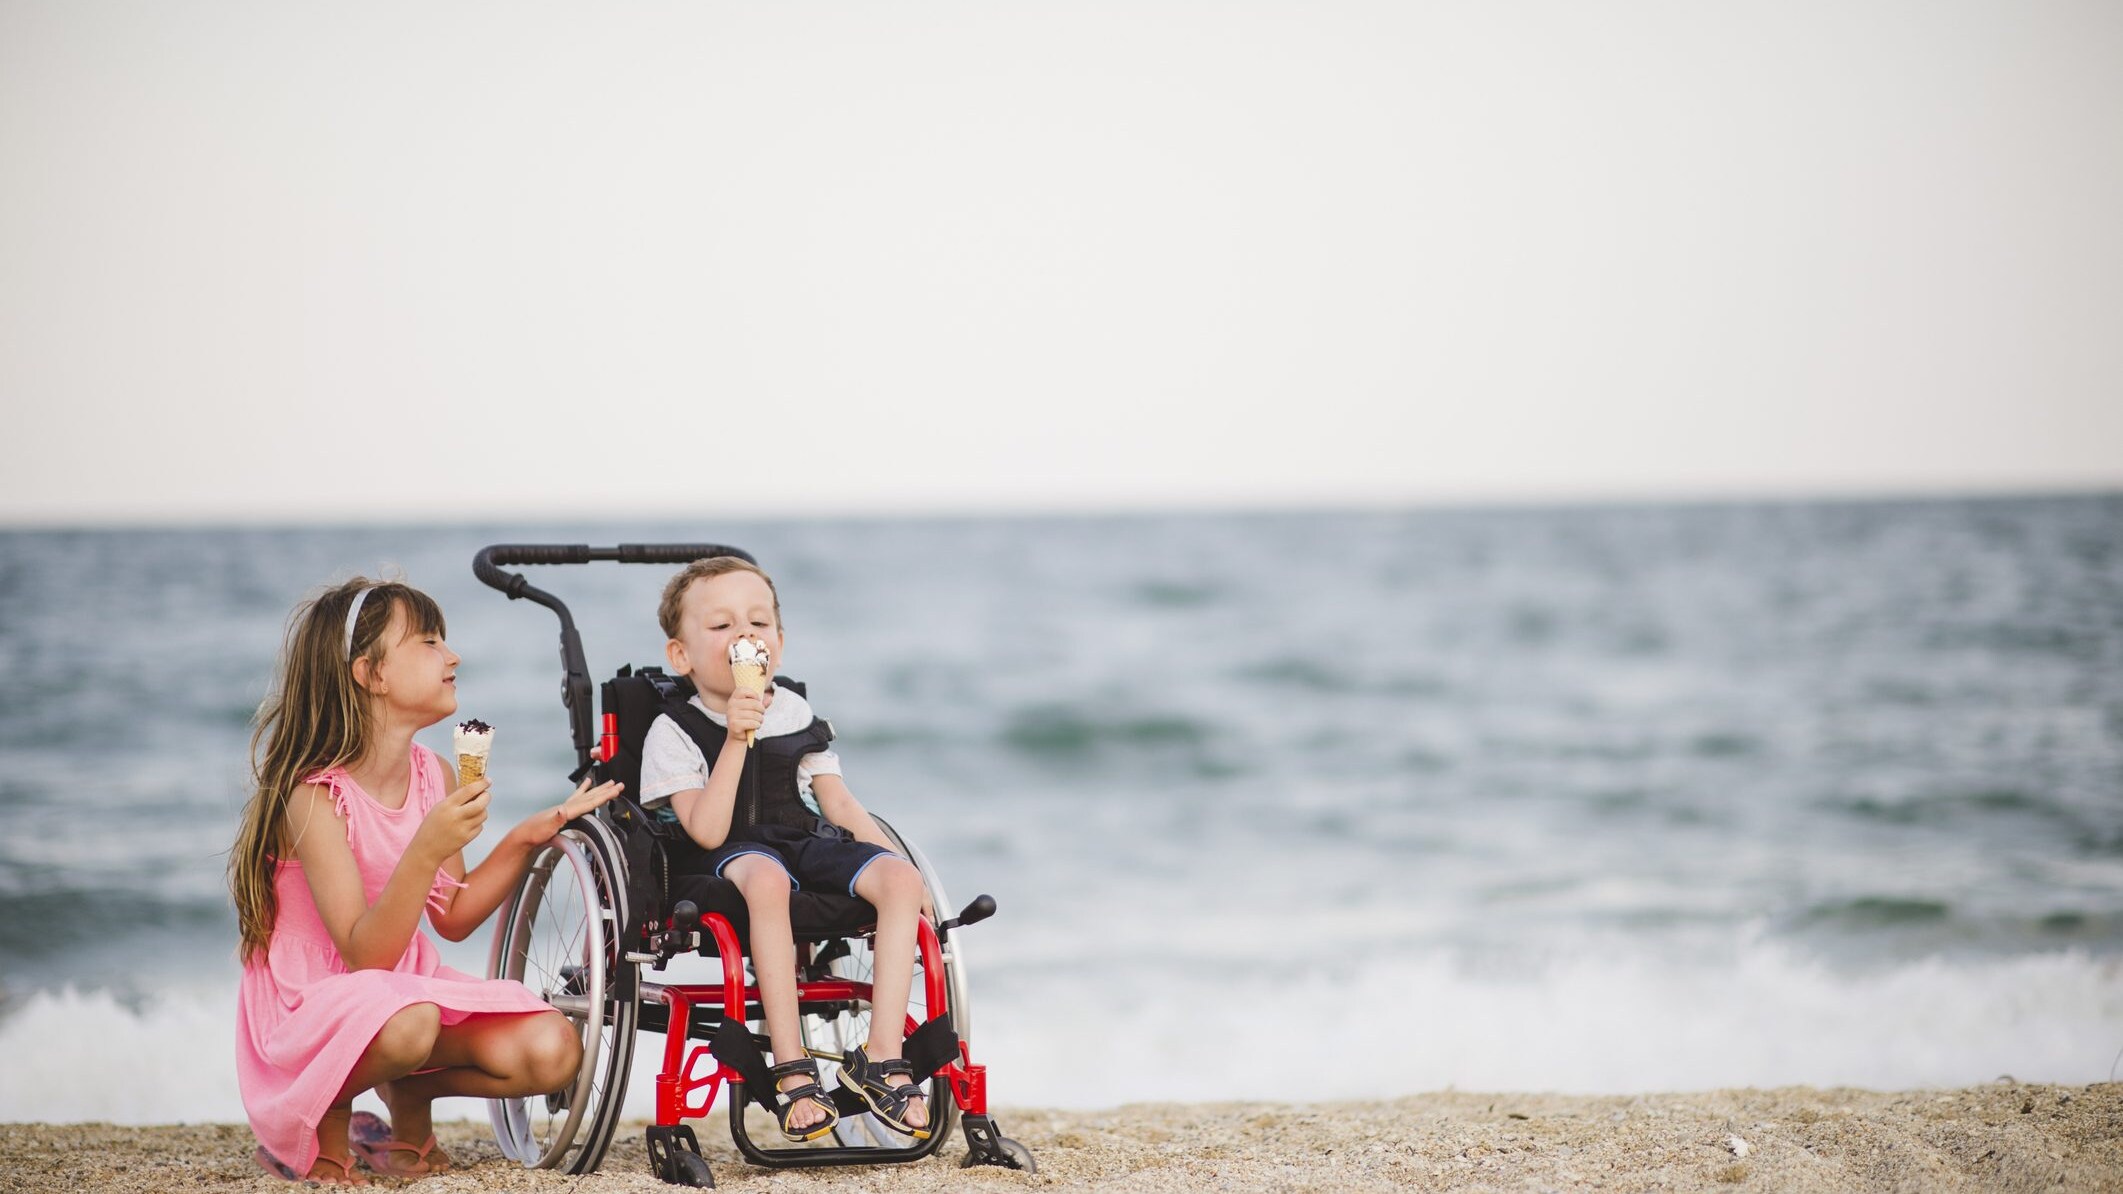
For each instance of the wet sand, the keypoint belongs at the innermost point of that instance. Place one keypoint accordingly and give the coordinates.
(2005, 1136)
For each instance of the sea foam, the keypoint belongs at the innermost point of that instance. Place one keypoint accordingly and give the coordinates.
(1091, 1036)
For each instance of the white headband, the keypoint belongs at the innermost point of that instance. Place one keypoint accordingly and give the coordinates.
(351, 614)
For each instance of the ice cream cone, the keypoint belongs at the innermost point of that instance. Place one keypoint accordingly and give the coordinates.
(748, 671)
(473, 740)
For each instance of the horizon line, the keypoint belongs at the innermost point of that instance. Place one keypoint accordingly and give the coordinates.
(119, 521)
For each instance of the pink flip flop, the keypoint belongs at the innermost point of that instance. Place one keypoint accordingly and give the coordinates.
(370, 1138)
(367, 1128)
(286, 1172)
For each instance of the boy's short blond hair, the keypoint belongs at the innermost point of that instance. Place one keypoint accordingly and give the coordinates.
(672, 607)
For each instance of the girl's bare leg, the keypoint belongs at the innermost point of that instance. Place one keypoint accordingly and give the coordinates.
(490, 1056)
(334, 1166)
(766, 890)
(400, 1047)
(894, 888)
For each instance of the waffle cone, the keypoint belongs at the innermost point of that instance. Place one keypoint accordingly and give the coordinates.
(470, 767)
(748, 677)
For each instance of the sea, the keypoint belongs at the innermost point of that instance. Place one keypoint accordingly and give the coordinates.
(1274, 806)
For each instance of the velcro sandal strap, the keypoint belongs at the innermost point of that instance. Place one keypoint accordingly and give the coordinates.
(802, 1065)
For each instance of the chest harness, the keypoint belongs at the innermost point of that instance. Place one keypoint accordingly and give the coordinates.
(767, 790)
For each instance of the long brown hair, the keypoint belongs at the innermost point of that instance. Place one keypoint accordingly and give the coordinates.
(314, 718)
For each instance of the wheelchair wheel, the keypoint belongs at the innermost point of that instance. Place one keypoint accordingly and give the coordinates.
(559, 935)
(834, 1035)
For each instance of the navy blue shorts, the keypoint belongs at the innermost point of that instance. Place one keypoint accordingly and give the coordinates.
(829, 861)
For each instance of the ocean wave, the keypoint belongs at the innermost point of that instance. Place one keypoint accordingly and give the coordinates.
(43, 923)
(1378, 1027)
(1956, 806)
(1068, 732)
(1878, 912)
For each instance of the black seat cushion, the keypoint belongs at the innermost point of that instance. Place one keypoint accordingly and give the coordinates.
(813, 915)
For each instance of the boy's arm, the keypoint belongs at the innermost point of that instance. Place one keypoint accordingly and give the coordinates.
(842, 808)
(706, 812)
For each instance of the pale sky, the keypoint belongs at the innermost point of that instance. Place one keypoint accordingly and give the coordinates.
(415, 261)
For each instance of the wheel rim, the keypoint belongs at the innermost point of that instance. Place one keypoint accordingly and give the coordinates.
(556, 941)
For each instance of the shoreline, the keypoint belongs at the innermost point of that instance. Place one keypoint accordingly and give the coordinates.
(2001, 1136)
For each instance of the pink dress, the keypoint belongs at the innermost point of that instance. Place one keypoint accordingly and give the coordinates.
(302, 1018)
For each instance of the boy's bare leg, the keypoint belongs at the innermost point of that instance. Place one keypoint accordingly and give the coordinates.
(766, 890)
(894, 888)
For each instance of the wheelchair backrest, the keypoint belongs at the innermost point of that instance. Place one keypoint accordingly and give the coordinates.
(634, 700)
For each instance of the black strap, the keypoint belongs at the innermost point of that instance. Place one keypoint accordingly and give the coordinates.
(698, 726)
(787, 748)
(847, 1102)
(930, 1048)
(733, 1046)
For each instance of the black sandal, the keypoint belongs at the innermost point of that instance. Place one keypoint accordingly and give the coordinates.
(784, 1100)
(886, 1101)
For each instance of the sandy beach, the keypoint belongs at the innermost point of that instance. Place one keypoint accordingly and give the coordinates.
(2003, 1136)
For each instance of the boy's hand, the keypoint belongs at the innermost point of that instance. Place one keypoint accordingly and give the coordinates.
(746, 711)
(455, 823)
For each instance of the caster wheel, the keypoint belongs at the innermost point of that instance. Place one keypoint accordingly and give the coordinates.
(690, 1169)
(1009, 1154)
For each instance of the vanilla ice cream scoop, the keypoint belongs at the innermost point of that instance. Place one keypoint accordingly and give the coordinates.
(748, 650)
(749, 662)
(473, 740)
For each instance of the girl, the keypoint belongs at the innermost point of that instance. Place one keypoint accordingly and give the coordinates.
(351, 831)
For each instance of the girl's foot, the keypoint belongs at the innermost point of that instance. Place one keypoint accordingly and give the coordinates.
(386, 1151)
(370, 1138)
(396, 1158)
(326, 1170)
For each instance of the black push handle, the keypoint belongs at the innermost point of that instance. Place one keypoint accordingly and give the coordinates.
(488, 564)
(575, 670)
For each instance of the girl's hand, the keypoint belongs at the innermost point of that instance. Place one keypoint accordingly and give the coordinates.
(746, 711)
(455, 823)
(541, 827)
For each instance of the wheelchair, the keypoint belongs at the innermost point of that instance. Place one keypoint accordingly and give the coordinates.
(599, 917)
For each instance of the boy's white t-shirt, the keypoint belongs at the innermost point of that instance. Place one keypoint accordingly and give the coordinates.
(671, 762)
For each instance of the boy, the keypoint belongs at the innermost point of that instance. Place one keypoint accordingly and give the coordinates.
(775, 816)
